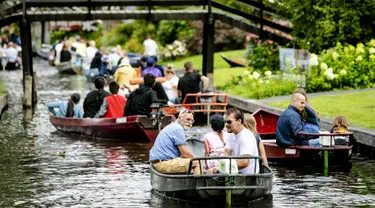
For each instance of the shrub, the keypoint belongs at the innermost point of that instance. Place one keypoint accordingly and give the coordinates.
(343, 67)
(263, 55)
(175, 50)
(253, 84)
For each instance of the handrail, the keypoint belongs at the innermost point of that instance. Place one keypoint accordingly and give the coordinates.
(199, 159)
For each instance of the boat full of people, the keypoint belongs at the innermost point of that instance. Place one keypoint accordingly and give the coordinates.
(128, 129)
(337, 144)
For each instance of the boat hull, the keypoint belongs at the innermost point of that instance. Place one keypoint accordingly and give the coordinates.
(128, 129)
(212, 187)
(69, 68)
(338, 155)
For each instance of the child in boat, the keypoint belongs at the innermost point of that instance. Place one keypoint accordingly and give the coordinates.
(215, 141)
(69, 108)
(250, 123)
(340, 126)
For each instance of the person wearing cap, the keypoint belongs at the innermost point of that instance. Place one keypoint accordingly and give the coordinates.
(215, 141)
(170, 85)
(125, 73)
(151, 69)
(156, 65)
(169, 153)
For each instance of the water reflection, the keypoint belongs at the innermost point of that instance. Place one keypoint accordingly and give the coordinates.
(103, 174)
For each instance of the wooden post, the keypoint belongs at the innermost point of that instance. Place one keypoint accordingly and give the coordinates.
(208, 48)
(27, 64)
(261, 19)
(43, 28)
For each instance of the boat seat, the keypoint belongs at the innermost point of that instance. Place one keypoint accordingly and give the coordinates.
(269, 141)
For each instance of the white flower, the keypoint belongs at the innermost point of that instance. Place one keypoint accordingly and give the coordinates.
(176, 43)
(330, 70)
(314, 61)
(359, 58)
(330, 76)
(323, 66)
(261, 81)
(335, 55)
(371, 50)
(268, 73)
(170, 47)
(245, 73)
(256, 75)
(343, 72)
(167, 54)
(175, 53)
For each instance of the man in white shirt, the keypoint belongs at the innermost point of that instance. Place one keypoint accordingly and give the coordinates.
(241, 143)
(150, 46)
(11, 53)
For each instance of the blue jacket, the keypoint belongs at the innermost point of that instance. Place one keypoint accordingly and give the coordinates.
(289, 124)
(59, 108)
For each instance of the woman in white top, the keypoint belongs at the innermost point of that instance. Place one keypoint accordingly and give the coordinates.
(170, 86)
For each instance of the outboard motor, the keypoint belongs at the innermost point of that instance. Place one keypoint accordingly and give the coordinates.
(157, 115)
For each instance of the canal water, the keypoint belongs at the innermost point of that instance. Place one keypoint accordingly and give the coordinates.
(34, 172)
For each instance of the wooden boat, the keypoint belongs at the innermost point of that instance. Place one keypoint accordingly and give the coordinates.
(69, 68)
(234, 62)
(44, 51)
(129, 129)
(339, 155)
(203, 106)
(212, 187)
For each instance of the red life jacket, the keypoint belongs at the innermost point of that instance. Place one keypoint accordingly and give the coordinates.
(116, 105)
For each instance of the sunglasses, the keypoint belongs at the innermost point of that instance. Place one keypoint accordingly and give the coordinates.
(228, 121)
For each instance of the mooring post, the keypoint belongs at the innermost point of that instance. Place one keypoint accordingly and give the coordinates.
(208, 46)
(27, 64)
(325, 162)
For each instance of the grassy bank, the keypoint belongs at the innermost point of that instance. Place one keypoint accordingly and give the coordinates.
(197, 60)
(222, 76)
(357, 107)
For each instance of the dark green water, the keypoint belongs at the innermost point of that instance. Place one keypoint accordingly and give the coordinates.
(102, 174)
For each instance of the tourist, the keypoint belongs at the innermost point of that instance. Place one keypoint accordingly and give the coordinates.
(140, 100)
(215, 141)
(150, 47)
(170, 85)
(340, 125)
(156, 65)
(69, 109)
(113, 105)
(94, 99)
(251, 124)
(124, 74)
(150, 69)
(241, 143)
(169, 153)
(290, 123)
(189, 83)
(65, 55)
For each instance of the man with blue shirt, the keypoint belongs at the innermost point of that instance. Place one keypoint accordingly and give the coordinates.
(290, 123)
(169, 153)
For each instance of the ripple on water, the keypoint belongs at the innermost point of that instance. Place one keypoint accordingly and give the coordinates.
(104, 174)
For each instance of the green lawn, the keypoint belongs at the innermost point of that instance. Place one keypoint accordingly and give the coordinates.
(197, 60)
(357, 107)
(222, 76)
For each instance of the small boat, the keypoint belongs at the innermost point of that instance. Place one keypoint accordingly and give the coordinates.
(241, 188)
(44, 51)
(338, 155)
(129, 129)
(203, 106)
(234, 62)
(69, 68)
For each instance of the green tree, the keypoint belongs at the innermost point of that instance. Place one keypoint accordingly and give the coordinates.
(320, 24)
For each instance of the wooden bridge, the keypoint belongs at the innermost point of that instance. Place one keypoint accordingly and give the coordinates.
(26, 11)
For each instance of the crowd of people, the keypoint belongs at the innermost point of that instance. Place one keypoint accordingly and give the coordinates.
(9, 52)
